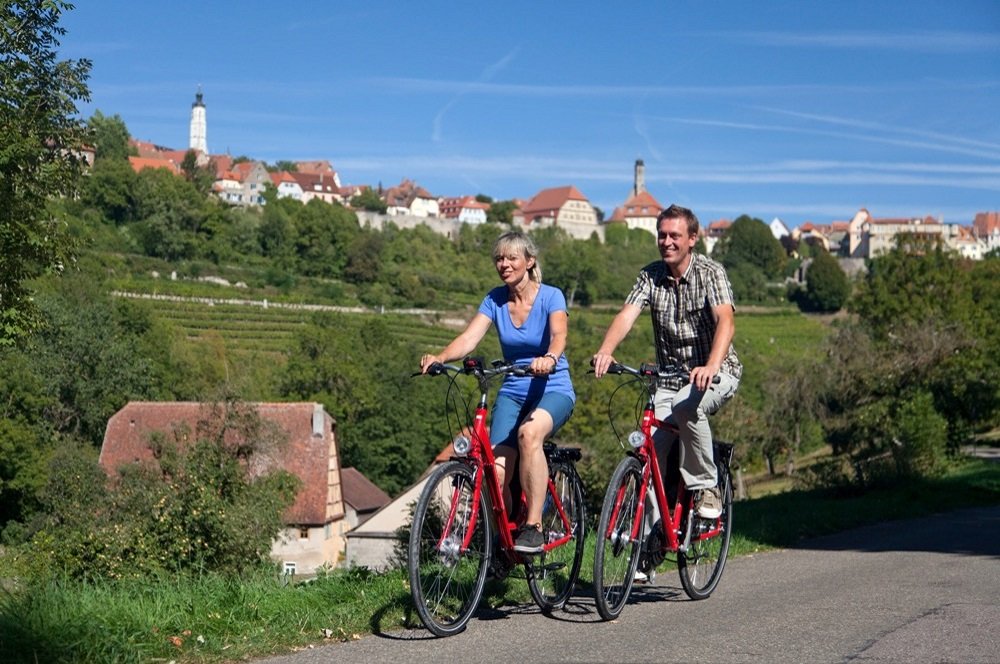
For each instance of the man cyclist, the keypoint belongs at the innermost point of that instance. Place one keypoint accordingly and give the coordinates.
(691, 302)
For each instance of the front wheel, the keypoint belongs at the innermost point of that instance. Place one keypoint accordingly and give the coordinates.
(449, 549)
(701, 565)
(553, 573)
(619, 539)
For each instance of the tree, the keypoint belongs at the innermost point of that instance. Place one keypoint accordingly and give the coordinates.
(40, 141)
(201, 176)
(827, 287)
(501, 212)
(109, 135)
(750, 241)
(369, 200)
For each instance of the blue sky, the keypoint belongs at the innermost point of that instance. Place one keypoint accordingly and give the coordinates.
(802, 110)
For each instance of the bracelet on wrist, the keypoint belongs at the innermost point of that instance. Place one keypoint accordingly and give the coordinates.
(555, 360)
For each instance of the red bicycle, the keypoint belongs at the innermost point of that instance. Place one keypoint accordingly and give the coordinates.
(451, 545)
(641, 523)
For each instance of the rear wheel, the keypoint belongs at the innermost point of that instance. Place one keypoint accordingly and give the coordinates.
(701, 565)
(616, 553)
(553, 573)
(449, 549)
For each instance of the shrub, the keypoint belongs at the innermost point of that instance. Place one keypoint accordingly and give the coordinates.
(921, 442)
(209, 505)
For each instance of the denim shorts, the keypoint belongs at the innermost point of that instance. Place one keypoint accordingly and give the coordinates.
(508, 413)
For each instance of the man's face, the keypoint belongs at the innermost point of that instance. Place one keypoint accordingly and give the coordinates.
(674, 243)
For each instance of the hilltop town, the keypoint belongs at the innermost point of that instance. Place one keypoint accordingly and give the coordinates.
(243, 181)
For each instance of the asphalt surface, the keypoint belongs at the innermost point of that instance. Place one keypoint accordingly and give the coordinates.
(924, 590)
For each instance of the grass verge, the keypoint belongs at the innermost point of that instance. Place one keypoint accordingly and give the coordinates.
(212, 619)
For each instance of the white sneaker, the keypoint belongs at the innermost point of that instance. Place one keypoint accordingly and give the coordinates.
(640, 577)
(708, 503)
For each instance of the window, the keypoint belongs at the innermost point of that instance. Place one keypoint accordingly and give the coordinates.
(289, 568)
(303, 533)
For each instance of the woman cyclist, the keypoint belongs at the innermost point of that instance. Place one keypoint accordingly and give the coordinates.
(531, 322)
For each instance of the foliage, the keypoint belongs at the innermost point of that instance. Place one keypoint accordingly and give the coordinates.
(922, 355)
(827, 287)
(211, 618)
(213, 503)
(109, 136)
(369, 200)
(89, 359)
(501, 212)
(361, 373)
(749, 241)
(922, 437)
(40, 141)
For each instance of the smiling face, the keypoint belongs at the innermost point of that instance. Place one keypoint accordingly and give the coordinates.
(512, 266)
(675, 243)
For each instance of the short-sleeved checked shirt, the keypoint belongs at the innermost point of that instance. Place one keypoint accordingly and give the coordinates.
(683, 325)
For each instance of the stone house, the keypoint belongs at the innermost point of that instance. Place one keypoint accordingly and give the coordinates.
(314, 534)
(466, 209)
(408, 198)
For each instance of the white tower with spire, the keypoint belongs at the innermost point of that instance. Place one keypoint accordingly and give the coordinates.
(199, 127)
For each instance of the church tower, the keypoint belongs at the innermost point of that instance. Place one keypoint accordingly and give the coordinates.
(199, 127)
(640, 178)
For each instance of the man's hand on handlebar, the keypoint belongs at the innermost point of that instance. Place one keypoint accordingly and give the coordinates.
(601, 361)
(703, 377)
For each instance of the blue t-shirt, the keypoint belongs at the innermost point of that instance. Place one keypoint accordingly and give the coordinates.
(530, 340)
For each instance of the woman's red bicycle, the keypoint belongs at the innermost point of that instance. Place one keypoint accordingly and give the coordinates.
(642, 520)
(462, 531)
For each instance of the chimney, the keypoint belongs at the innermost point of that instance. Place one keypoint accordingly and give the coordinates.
(319, 423)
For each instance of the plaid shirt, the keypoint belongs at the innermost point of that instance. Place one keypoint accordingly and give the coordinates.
(683, 325)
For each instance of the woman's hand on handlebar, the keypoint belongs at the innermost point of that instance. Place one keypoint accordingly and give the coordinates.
(426, 361)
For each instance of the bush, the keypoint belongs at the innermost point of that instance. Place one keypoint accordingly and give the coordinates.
(827, 287)
(202, 506)
(921, 442)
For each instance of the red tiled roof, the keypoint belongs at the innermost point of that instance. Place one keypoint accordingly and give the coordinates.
(986, 223)
(638, 205)
(281, 176)
(361, 493)
(320, 166)
(309, 182)
(126, 440)
(549, 201)
(139, 163)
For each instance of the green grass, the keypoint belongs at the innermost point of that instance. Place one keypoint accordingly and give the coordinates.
(211, 619)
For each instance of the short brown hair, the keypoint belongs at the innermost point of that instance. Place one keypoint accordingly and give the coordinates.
(678, 212)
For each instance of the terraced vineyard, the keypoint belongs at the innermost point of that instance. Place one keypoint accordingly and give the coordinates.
(253, 329)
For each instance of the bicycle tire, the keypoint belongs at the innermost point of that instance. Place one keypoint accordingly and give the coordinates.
(701, 566)
(616, 554)
(553, 574)
(446, 582)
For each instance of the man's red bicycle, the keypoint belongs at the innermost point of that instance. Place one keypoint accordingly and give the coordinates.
(461, 516)
(642, 520)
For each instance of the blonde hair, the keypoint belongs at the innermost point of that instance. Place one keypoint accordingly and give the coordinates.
(517, 242)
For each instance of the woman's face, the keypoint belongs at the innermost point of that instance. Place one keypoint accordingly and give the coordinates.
(513, 266)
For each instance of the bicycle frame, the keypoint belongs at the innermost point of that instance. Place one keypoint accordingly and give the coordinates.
(480, 456)
(646, 454)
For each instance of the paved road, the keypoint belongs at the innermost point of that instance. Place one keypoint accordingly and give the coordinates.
(915, 591)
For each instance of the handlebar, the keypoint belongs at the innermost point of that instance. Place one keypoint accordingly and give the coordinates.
(476, 366)
(652, 371)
